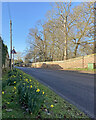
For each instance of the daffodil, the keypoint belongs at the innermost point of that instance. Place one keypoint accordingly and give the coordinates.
(26, 80)
(30, 80)
(43, 93)
(2, 92)
(14, 87)
(30, 86)
(37, 90)
(8, 103)
(23, 83)
(14, 81)
(51, 106)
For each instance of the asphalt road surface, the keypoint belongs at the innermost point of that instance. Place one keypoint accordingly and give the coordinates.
(77, 88)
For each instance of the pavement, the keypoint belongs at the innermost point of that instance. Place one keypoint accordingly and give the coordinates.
(77, 88)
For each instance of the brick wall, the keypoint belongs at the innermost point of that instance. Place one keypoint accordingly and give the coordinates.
(78, 62)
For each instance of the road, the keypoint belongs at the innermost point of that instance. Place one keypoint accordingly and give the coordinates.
(77, 88)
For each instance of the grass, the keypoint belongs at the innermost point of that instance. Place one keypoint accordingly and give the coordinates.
(61, 109)
(83, 69)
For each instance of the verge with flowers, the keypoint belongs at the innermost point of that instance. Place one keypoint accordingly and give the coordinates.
(25, 97)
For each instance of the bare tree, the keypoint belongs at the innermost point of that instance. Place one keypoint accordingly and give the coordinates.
(18, 56)
(67, 32)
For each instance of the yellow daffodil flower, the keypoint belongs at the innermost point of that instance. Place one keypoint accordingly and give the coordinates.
(14, 87)
(30, 86)
(51, 106)
(8, 103)
(37, 90)
(14, 81)
(43, 93)
(2, 92)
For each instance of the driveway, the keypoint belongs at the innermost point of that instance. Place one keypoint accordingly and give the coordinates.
(77, 88)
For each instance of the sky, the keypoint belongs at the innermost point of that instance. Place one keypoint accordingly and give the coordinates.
(24, 15)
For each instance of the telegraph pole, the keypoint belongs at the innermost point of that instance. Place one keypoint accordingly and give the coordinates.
(10, 44)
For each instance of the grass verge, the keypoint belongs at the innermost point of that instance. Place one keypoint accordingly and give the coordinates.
(54, 106)
(82, 69)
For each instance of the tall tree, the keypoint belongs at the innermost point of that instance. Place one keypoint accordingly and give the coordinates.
(67, 32)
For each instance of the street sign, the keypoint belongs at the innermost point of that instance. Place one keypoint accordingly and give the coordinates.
(13, 51)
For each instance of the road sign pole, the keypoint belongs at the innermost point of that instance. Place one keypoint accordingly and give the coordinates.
(10, 45)
(13, 52)
(13, 60)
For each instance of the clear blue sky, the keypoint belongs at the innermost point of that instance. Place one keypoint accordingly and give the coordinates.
(24, 16)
